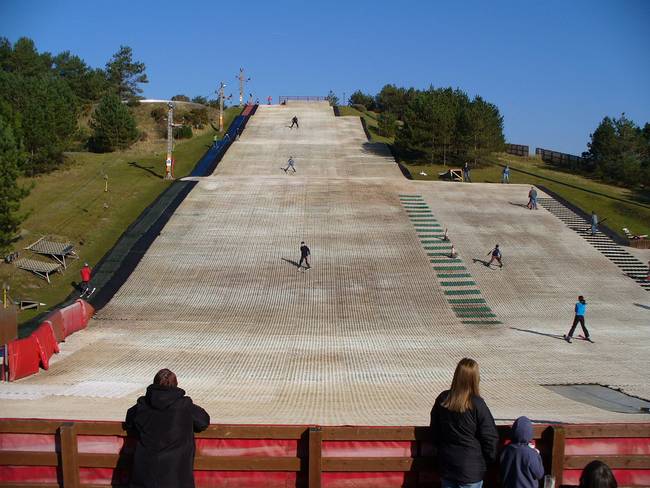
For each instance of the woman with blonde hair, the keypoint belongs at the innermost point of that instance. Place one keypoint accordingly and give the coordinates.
(463, 430)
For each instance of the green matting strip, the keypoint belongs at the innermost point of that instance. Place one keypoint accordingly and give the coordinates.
(481, 322)
(430, 232)
(472, 309)
(475, 315)
(457, 283)
(466, 300)
(462, 292)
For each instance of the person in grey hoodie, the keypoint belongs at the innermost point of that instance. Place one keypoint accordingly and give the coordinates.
(521, 464)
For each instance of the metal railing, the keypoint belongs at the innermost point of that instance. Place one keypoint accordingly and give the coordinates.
(285, 98)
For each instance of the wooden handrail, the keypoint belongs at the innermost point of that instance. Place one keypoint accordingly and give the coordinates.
(315, 467)
(310, 461)
(69, 455)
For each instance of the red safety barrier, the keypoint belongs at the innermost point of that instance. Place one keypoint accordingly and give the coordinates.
(247, 110)
(46, 341)
(76, 316)
(56, 319)
(24, 358)
(57, 329)
(88, 310)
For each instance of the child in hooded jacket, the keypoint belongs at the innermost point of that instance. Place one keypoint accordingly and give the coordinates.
(521, 464)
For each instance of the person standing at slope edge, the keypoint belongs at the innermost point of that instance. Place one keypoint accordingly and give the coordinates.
(505, 175)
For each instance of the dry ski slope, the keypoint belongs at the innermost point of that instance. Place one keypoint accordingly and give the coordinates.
(368, 335)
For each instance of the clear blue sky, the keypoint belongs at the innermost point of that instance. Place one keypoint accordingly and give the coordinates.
(554, 67)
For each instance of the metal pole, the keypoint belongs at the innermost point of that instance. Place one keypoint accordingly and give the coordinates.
(221, 106)
(241, 86)
(242, 79)
(170, 141)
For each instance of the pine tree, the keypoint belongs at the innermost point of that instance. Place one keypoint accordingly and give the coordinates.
(332, 98)
(113, 126)
(124, 74)
(11, 193)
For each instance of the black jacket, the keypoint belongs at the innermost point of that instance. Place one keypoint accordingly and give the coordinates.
(466, 442)
(165, 421)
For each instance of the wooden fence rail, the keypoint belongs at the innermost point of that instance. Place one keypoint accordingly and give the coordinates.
(308, 460)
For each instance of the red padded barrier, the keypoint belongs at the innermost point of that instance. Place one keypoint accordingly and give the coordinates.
(624, 477)
(56, 319)
(47, 345)
(639, 446)
(249, 479)
(29, 474)
(57, 329)
(369, 480)
(74, 317)
(88, 311)
(247, 447)
(24, 358)
(27, 442)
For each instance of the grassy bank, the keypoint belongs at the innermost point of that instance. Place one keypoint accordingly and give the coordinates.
(71, 205)
(621, 207)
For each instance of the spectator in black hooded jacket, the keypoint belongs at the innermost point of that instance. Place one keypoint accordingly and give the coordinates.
(463, 430)
(165, 421)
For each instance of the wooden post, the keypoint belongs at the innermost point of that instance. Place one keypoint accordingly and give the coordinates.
(315, 457)
(69, 455)
(557, 454)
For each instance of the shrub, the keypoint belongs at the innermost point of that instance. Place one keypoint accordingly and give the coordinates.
(158, 113)
(183, 132)
(360, 98)
(386, 124)
(198, 117)
(113, 126)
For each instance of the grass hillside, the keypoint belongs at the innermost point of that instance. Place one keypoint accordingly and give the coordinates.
(371, 122)
(621, 207)
(71, 204)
